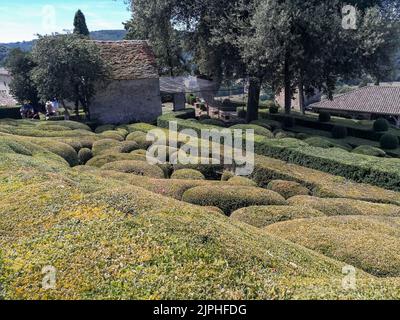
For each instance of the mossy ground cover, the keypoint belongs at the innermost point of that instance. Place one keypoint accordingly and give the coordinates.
(119, 235)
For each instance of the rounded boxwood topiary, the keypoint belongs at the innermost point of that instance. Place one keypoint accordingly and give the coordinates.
(226, 175)
(84, 155)
(242, 181)
(381, 125)
(187, 174)
(389, 141)
(325, 143)
(324, 116)
(129, 146)
(140, 138)
(257, 129)
(112, 135)
(61, 149)
(139, 168)
(281, 134)
(231, 198)
(288, 189)
(339, 132)
(104, 128)
(370, 151)
(263, 216)
(101, 160)
(105, 145)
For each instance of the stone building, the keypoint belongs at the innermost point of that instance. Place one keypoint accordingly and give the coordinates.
(280, 99)
(133, 93)
(5, 97)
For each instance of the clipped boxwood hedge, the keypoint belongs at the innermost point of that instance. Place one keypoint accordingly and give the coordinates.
(288, 189)
(370, 151)
(187, 174)
(10, 112)
(139, 168)
(262, 216)
(84, 155)
(360, 168)
(242, 181)
(257, 129)
(231, 198)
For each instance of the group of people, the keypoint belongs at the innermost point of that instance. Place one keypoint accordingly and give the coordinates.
(28, 111)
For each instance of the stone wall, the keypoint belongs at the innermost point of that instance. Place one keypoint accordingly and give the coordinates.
(126, 101)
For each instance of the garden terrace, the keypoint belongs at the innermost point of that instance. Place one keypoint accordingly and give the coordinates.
(99, 223)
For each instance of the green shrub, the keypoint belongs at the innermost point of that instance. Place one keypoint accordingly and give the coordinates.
(231, 198)
(101, 160)
(228, 106)
(105, 145)
(112, 135)
(257, 129)
(214, 122)
(204, 117)
(339, 132)
(288, 189)
(324, 116)
(242, 181)
(274, 109)
(281, 134)
(210, 171)
(226, 175)
(263, 216)
(302, 136)
(10, 113)
(84, 156)
(345, 207)
(288, 122)
(389, 142)
(370, 151)
(139, 168)
(187, 174)
(368, 243)
(325, 143)
(381, 125)
(63, 150)
(104, 128)
(140, 138)
(242, 114)
(129, 146)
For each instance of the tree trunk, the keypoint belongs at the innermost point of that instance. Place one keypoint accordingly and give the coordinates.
(253, 99)
(288, 87)
(66, 112)
(77, 108)
(301, 98)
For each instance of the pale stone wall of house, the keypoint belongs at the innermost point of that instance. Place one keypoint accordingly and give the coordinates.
(280, 99)
(125, 101)
(5, 97)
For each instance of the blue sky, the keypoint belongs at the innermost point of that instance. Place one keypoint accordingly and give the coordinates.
(21, 19)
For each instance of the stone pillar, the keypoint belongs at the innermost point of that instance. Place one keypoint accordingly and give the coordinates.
(179, 101)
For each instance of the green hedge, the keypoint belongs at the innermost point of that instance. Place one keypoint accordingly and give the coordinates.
(309, 122)
(10, 113)
(360, 168)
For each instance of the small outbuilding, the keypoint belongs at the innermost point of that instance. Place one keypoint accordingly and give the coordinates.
(133, 92)
(369, 102)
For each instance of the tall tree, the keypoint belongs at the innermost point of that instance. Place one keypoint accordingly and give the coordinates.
(20, 64)
(153, 21)
(68, 68)
(80, 27)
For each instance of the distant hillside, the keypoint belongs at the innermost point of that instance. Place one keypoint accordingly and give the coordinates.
(110, 35)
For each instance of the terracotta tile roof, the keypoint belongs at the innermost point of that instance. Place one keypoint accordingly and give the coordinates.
(129, 60)
(383, 99)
